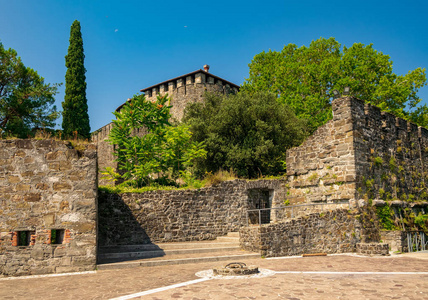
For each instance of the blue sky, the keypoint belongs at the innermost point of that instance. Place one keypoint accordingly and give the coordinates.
(130, 45)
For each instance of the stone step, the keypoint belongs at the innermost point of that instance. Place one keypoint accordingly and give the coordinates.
(233, 234)
(122, 256)
(166, 246)
(229, 239)
(177, 260)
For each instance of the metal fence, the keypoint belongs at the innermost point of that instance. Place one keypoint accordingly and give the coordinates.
(417, 241)
(266, 215)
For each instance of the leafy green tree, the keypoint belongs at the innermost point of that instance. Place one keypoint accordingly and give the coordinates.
(179, 152)
(246, 133)
(26, 101)
(305, 77)
(75, 116)
(165, 150)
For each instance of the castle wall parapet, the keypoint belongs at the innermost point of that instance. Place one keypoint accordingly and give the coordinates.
(363, 153)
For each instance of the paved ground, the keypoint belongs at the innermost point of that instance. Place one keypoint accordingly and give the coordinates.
(331, 277)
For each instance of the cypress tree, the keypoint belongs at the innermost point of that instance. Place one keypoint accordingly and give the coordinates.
(75, 116)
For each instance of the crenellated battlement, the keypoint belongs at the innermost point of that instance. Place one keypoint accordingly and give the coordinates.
(196, 78)
(102, 133)
(374, 116)
(188, 88)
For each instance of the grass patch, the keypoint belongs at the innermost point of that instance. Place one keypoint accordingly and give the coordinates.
(121, 189)
(218, 177)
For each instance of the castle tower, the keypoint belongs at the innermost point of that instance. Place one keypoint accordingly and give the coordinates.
(184, 89)
(188, 88)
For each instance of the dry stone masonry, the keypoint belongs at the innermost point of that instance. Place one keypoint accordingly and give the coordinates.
(397, 240)
(336, 231)
(48, 207)
(323, 167)
(371, 249)
(391, 156)
(179, 215)
(361, 154)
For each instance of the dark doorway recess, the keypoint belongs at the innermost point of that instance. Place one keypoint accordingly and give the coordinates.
(260, 199)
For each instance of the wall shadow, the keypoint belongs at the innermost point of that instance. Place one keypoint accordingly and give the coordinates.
(120, 236)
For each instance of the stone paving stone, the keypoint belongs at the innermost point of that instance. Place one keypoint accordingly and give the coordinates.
(114, 283)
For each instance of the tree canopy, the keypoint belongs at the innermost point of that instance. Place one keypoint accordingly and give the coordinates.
(305, 77)
(164, 152)
(26, 101)
(246, 133)
(75, 118)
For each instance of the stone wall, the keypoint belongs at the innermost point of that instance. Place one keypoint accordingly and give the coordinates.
(371, 249)
(391, 155)
(48, 208)
(178, 215)
(335, 231)
(323, 167)
(106, 159)
(362, 153)
(397, 240)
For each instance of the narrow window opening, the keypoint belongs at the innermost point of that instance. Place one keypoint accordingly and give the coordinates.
(24, 238)
(57, 236)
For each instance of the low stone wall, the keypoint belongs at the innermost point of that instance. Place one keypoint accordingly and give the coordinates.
(373, 249)
(336, 231)
(48, 207)
(396, 239)
(178, 215)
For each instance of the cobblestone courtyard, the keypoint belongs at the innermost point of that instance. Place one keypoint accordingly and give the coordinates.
(331, 277)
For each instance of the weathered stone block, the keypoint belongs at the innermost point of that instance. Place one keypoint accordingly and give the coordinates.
(60, 186)
(49, 219)
(24, 144)
(22, 187)
(33, 197)
(13, 179)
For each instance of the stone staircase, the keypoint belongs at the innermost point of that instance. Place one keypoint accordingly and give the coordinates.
(224, 248)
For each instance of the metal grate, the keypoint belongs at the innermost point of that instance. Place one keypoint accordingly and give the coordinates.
(417, 241)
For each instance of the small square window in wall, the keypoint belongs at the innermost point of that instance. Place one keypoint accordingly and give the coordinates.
(57, 236)
(25, 238)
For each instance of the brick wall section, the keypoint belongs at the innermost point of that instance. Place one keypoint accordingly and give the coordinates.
(46, 184)
(362, 153)
(178, 215)
(336, 231)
